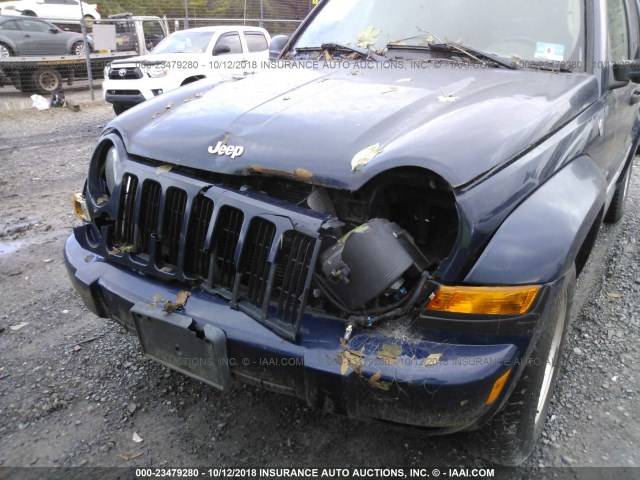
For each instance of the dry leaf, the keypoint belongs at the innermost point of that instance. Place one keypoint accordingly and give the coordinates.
(368, 37)
(19, 326)
(614, 295)
(156, 299)
(344, 367)
(167, 269)
(432, 359)
(364, 156)
(380, 385)
(391, 351)
(183, 296)
(127, 458)
(376, 376)
(163, 169)
(181, 301)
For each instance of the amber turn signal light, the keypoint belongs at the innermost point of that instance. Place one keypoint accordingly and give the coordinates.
(484, 300)
(80, 208)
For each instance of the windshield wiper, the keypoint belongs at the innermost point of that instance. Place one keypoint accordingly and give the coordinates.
(470, 52)
(335, 47)
(549, 65)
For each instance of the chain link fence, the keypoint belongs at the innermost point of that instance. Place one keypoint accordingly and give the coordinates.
(67, 44)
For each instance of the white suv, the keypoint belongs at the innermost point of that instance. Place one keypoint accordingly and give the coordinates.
(184, 57)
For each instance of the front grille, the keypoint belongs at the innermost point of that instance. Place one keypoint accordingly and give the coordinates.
(148, 217)
(294, 262)
(254, 266)
(225, 241)
(125, 226)
(260, 264)
(125, 73)
(196, 258)
(175, 204)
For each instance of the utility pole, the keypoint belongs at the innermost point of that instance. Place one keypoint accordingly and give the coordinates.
(87, 51)
(261, 13)
(186, 14)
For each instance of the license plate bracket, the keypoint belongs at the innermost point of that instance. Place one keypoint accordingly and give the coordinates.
(166, 338)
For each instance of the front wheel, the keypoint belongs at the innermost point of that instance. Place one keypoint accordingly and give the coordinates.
(512, 434)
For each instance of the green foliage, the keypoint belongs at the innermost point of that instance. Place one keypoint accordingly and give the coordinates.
(280, 9)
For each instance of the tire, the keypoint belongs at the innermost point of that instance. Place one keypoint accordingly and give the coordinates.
(78, 49)
(512, 434)
(46, 80)
(120, 109)
(616, 209)
(5, 51)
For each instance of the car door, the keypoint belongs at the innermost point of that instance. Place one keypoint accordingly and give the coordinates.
(622, 100)
(257, 46)
(235, 53)
(38, 38)
(11, 30)
(60, 9)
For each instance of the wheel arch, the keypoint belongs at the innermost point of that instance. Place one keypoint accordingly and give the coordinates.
(192, 79)
(548, 232)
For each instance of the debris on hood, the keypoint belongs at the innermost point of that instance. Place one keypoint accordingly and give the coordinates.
(364, 156)
(368, 37)
(163, 169)
(447, 98)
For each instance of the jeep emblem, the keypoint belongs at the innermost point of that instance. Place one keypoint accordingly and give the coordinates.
(228, 150)
(122, 72)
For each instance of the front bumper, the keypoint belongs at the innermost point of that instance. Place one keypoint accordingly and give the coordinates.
(448, 396)
(132, 92)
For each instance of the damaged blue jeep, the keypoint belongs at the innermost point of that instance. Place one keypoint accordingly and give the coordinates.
(389, 224)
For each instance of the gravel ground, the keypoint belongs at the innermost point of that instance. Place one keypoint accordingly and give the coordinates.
(74, 389)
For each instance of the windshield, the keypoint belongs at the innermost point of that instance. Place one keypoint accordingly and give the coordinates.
(540, 30)
(185, 42)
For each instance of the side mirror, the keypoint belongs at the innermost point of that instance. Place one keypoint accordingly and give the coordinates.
(627, 71)
(277, 45)
(221, 49)
(54, 30)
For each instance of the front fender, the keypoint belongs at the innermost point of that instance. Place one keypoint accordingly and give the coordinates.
(542, 237)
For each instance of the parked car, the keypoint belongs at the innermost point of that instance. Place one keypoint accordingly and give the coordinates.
(182, 58)
(58, 10)
(33, 36)
(391, 226)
